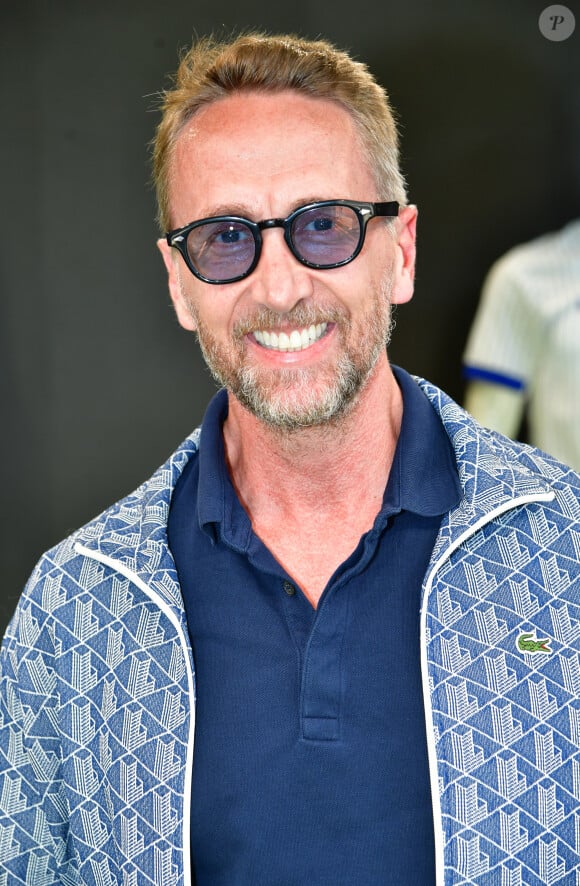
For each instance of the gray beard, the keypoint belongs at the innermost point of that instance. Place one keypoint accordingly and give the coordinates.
(268, 394)
(315, 408)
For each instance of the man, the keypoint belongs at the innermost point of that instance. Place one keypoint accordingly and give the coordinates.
(523, 351)
(379, 598)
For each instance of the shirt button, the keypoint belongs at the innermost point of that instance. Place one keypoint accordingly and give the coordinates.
(289, 588)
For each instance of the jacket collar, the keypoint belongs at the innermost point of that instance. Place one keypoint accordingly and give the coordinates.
(496, 474)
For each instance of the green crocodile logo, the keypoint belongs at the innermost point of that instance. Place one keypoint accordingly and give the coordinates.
(530, 643)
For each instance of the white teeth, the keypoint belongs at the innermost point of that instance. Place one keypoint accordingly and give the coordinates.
(298, 340)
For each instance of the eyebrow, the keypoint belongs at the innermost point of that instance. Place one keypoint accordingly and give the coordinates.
(242, 211)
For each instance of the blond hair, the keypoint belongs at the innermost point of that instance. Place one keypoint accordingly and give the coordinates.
(211, 70)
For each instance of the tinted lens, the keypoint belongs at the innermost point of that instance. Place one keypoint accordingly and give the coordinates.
(222, 249)
(326, 235)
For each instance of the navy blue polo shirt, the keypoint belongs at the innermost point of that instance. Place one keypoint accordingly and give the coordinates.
(310, 763)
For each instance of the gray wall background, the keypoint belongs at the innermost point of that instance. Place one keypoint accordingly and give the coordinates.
(98, 382)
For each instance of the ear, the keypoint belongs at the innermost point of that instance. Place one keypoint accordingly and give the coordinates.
(171, 261)
(404, 274)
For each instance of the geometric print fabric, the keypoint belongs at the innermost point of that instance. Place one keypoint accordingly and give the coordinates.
(96, 722)
(505, 708)
(97, 707)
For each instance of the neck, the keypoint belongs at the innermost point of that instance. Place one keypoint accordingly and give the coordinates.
(291, 475)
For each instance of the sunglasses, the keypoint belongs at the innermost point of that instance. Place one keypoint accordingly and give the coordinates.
(324, 235)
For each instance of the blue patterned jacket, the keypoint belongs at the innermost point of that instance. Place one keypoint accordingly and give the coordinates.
(97, 686)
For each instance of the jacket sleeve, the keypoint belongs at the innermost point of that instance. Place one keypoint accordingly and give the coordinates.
(33, 811)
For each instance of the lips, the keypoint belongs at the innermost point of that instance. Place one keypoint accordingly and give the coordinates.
(297, 340)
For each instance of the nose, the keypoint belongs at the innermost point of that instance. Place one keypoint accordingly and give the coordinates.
(280, 281)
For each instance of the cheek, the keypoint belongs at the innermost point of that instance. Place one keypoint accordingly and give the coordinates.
(200, 304)
(212, 318)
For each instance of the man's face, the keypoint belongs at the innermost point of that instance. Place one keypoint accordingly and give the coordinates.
(261, 156)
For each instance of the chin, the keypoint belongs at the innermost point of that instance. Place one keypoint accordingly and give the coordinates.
(302, 401)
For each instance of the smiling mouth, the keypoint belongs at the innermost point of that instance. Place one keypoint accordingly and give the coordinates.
(297, 340)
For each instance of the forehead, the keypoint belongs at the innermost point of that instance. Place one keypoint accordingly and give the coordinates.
(266, 151)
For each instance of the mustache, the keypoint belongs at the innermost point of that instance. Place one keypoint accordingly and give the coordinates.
(300, 316)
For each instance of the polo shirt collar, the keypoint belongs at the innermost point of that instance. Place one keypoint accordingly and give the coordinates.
(214, 484)
(423, 477)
